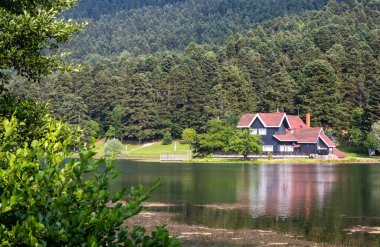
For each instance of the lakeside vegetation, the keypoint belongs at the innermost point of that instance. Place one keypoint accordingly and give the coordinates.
(152, 151)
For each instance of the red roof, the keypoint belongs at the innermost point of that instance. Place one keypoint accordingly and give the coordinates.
(339, 153)
(288, 137)
(327, 140)
(309, 135)
(268, 119)
(246, 120)
(295, 122)
(272, 119)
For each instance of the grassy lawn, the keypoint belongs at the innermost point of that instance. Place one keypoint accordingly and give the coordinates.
(99, 147)
(152, 150)
(354, 152)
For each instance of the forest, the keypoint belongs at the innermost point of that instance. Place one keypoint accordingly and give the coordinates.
(118, 26)
(325, 62)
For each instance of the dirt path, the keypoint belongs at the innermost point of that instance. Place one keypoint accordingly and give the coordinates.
(143, 146)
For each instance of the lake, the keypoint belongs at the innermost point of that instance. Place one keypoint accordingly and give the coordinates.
(314, 201)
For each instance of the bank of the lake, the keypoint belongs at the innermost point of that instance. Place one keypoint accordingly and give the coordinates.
(200, 235)
(150, 152)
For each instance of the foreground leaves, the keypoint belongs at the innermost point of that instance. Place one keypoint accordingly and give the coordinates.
(48, 199)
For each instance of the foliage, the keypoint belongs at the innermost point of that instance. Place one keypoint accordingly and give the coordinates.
(94, 127)
(111, 133)
(373, 138)
(189, 136)
(129, 26)
(320, 94)
(113, 146)
(357, 127)
(167, 138)
(34, 119)
(244, 143)
(46, 201)
(116, 121)
(30, 34)
(372, 142)
(216, 138)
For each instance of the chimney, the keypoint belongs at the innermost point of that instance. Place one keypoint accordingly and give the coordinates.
(308, 120)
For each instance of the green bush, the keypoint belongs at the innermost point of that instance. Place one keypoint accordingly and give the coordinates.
(167, 139)
(46, 201)
(189, 136)
(113, 146)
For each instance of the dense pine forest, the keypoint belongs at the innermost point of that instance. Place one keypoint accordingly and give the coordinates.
(143, 27)
(324, 61)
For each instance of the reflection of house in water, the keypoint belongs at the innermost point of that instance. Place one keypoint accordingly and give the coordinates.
(289, 190)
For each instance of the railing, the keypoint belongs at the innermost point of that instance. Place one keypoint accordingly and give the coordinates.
(175, 157)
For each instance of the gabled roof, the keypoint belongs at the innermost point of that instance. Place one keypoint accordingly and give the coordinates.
(301, 135)
(267, 119)
(307, 135)
(295, 122)
(288, 137)
(246, 120)
(327, 140)
(339, 153)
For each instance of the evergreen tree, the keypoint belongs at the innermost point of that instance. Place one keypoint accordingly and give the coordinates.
(142, 119)
(320, 94)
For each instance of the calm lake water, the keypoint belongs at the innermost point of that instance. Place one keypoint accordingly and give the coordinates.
(315, 201)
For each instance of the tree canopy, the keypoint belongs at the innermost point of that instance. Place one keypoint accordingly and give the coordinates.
(30, 33)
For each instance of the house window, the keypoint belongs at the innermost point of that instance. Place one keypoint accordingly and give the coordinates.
(254, 132)
(286, 148)
(267, 148)
(262, 131)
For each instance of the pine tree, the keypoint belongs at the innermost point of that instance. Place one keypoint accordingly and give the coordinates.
(142, 119)
(320, 94)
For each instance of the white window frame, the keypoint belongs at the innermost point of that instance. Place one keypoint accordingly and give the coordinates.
(254, 131)
(263, 131)
(267, 148)
(286, 148)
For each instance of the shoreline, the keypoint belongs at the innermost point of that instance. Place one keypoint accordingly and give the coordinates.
(351, 160)
(258, 161)
(199, 235)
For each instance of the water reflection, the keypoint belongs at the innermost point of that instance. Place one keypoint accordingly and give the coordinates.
(283, 191)
(314, 201)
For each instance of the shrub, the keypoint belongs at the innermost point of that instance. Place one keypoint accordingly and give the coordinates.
(167, 139)
(189, 136)
(113, 146)
(46, 201)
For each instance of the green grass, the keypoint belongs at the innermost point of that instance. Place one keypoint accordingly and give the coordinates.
(354, 152)
(157, 148)
(99, 147)
(152, 151)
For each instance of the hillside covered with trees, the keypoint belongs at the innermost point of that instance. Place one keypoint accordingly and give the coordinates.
(325, 61)
(143, 27)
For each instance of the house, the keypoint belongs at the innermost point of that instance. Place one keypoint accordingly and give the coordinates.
(282, 133)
